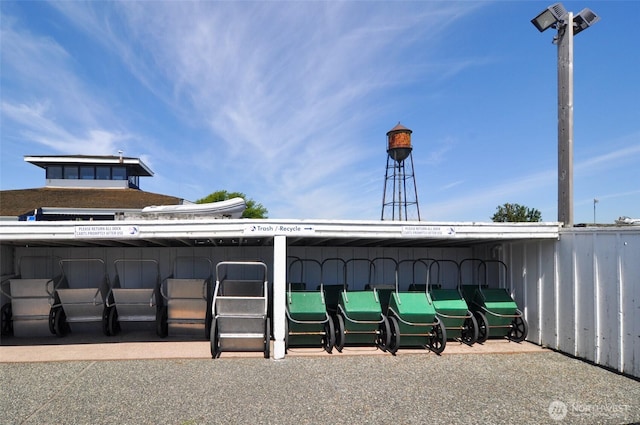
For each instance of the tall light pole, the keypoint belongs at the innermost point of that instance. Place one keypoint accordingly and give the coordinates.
(557, 17)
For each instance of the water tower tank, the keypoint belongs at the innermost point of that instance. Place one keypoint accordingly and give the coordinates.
(399, 142)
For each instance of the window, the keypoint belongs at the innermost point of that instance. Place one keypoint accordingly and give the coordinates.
(119, 173)
(54, 172)
(87, 173)
(134, 181)
(103, 172)
(70, 172)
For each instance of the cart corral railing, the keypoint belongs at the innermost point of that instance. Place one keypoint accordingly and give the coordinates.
(581, 293)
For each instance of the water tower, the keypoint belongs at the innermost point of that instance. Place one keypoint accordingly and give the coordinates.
(400, 196)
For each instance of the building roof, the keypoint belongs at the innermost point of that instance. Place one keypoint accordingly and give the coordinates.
(399, 127)
(18, 202)
(136, 165)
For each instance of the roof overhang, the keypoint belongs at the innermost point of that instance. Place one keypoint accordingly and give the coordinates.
(261, 232)
(134, 164)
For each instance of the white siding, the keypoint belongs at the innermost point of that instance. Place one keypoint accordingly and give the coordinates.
(580, 294)
(588, 294)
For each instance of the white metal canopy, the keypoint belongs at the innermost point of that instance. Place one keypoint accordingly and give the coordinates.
(262, 231)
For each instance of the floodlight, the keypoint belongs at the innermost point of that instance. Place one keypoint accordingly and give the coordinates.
(584, 20)
(549, 17)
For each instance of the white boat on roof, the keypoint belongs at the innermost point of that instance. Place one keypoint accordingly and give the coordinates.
(628, 220)
(230, 208)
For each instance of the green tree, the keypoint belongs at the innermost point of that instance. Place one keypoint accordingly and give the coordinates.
(516, 213)
(253, 210)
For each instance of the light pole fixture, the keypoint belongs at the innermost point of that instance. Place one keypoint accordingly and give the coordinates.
(549, 17)
(595, 201)
(557, 17)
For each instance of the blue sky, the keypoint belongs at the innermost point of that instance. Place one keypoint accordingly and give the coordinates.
(290, 102)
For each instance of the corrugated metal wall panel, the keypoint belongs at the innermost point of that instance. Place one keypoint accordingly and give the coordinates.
(548, 302)
(527, 298)
(607, 300)
(530, 302)
(584, 284)
(519, 283)
(564, 289)
(630, 303)
(600, 269)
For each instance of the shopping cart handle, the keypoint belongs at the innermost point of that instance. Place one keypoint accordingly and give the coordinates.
(95, 297)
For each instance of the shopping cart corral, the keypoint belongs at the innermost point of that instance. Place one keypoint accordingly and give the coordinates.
(449, 302)
(187, 298)
(308, 324)
(79, 296)
(412, 315)
(359, 319)
(239, 308)
(496, 312)
(135, 293)
(29, 295)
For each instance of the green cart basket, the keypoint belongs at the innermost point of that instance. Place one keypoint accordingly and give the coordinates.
(495, 310)
(359, 318)
(450, 305)
(412, 315)
(308, 323)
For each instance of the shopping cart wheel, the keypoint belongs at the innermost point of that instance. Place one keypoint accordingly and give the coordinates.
(60, 325)
(214, 340)
(208, 315)
(7, 320)
(329, 337)
(340, 337)
(162, 328)
(438, 338)
(483, 330)
(105, 321)
(394, 328)
(519, 328)
(470, 330)
(207, 326)
(114, 324)
(267, 338)
(383, 339)
(52, 317)
(286, 335)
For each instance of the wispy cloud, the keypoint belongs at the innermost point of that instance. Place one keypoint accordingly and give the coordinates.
(610, 196)
(59, 113)
(451, 185)
(284, 90)
(523, 187)
(40, 128)
(608, 159)
(441, 148)
(470, 204)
